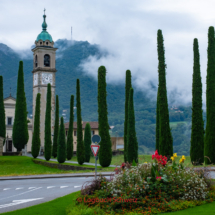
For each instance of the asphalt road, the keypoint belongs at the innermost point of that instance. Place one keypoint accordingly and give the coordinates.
(17, 194)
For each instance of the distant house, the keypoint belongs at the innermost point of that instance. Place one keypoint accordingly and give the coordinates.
(94, 130)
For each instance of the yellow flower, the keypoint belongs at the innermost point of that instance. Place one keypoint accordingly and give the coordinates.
(181, 160)
(172, 158)
(145, 162)
(183, 157)
(175, 155)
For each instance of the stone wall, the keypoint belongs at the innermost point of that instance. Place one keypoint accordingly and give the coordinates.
(61, 166)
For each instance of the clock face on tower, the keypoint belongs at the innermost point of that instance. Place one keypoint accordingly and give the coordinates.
(36, 79)
(46, 78)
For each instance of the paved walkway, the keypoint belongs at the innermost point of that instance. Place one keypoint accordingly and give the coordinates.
(91, 164)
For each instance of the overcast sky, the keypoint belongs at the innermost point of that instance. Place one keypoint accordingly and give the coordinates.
(127, 29)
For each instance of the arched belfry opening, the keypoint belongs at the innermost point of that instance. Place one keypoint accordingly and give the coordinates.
(47, 60)
(36, 61)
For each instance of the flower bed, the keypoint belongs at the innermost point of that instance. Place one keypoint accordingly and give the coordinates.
(147, 188)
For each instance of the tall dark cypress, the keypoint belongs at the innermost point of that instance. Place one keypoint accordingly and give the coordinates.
(197, 130)
(69, 146)
(165, 136)
(105, 151)
(132, 144)
(80, 142)
(48, 141)
(157, 124)
(20, 126)
(2, 111)
(61, 146)
(209, 146)
(56, 128)
(127, 89)
(87, 142)
(35, 147)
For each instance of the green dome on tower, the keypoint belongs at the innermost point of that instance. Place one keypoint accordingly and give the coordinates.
(44, 35)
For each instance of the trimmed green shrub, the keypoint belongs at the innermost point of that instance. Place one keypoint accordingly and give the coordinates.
(2, 111)
(87, 142)
(61, 150)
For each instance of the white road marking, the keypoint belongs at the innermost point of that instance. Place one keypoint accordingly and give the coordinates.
(17, 202)
(21, 193)
(31, 188)
(19, 188)
(50, 187)
(63, 186)
(77, 186)
(6, 188)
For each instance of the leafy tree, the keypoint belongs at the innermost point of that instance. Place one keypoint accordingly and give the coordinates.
(197, 132)
(20, 126)
(48, 141)
(61, 150)
(70, 131)
(165, 136)
(80, 142)
(209, 147)
(132, 152)
(35, 147)
(2, 111)
(87, 142)
(105, 151)
(56, 128)
(127, 89)
(157, 124)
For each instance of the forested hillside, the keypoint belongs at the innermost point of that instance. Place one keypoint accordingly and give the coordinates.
(69, 58)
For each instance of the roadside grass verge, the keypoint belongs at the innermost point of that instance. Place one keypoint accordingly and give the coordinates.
(54, 207)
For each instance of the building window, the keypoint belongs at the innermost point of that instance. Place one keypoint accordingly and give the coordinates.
(47, 43)
(46, 60)
(66, 133)
(9, 120)
(75, 133)
(92, 133)
(36, 61)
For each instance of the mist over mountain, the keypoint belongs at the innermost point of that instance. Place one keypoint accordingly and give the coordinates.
(71, 62)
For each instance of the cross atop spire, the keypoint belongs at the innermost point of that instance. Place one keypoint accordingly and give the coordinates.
(10, 91)
(44, 11)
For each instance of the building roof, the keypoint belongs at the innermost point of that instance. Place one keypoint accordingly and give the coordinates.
(9, 97)
(44, 35)
(93, 125)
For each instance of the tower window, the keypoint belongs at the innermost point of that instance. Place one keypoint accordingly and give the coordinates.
(46, 60)
(47, 43)
(36, 61)
(41, 43)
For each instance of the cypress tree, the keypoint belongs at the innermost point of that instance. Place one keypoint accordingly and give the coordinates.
(209, 147)
(2, 111)
(197, 130)
(132, 144)
(157, 124)
(127, 89)
(20, 126)
(80, 142)
(105, 151)
(61, 150)
(87, 142)
(165, 136)
(35, 147)
(56, 129)
(48, 141)
(70, 131)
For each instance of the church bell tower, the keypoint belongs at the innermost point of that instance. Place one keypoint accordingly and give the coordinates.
(44, 72)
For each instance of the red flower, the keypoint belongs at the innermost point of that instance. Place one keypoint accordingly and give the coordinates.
(158, 178)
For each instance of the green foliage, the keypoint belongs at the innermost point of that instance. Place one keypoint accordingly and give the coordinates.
(157, 124)
(20, 126)
(2, 111)
(48, 141)
(35, 147)
(197, 132)
(56, 129)
(209, 149)
(165, 136)
(87, 142)
(127, 89)
(132, 144)
(69, 145)
(61, 150)
(80, 142)
(105, 151)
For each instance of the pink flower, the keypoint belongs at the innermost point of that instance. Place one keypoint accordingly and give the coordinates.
(158, 178)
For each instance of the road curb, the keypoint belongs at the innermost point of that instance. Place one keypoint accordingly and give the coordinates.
(54, 176)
